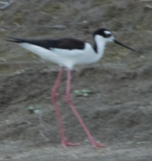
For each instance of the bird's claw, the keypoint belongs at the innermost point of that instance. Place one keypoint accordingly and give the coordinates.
(97, 144)
(65, 144)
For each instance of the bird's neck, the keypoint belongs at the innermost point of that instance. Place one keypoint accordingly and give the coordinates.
(99, 45)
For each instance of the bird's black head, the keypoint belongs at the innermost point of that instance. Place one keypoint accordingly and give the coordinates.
(106, 34)
(102, 32)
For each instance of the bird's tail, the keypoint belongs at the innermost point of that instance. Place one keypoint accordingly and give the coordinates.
(16, 40)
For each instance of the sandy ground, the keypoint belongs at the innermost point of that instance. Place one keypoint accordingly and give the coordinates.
(118, 108)
(121, 152)
(117, 112)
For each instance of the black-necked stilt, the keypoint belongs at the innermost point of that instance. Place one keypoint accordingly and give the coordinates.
(68, 52)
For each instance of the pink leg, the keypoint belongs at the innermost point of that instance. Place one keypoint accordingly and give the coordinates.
(57, 111)
(69, 101)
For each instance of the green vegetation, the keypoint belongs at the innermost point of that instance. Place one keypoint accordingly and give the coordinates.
(83, 93)
(33, 109)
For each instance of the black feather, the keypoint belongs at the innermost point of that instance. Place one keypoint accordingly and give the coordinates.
(66, 43)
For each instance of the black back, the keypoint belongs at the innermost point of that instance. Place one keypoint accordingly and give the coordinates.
(66, 43)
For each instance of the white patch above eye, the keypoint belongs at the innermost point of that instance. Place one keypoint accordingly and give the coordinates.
(107, 32)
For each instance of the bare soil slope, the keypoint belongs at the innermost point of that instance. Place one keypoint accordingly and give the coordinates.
(118, 109)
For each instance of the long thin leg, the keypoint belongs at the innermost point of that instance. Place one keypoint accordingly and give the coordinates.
(69, 101)
(57, 110)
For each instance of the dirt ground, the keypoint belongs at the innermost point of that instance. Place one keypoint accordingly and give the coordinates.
(118, 108)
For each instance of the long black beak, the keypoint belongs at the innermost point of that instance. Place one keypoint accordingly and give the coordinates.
(123, 45)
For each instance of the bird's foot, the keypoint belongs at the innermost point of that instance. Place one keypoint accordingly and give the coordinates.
(65, 144)
(97, 144)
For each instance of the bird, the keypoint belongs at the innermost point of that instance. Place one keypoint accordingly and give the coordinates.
(68, 52)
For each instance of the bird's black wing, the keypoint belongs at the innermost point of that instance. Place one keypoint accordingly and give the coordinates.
(66, 43)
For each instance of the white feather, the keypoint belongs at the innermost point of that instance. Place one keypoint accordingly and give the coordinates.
(69, 58)
(107, 32)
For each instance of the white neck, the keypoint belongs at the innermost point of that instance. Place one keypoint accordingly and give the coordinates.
(100, 44)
